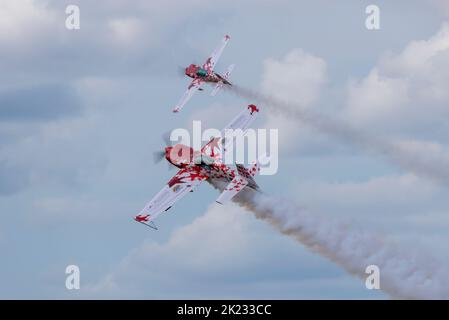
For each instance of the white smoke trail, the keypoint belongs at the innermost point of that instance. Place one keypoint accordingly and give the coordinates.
(417, 158)
(404, 273)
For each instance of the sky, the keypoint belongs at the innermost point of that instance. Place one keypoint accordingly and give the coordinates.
(82, 111)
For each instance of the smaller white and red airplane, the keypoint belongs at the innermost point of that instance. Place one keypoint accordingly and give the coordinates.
(198, 166)
(206, 74)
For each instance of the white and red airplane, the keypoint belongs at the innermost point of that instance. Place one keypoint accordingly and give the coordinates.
(206, 74)
(198, 166)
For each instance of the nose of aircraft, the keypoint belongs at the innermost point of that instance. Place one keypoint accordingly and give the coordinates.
(167, 152)
(190, 70)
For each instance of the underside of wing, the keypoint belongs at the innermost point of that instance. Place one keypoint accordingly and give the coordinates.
(249, 174)
(212, 60)
(234, 187)
(193, 87)
(244, 119)
(216, 147)
(184, 181)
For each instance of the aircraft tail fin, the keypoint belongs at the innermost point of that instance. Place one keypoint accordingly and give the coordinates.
(220, 84)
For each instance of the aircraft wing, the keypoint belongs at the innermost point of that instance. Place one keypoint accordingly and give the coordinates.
(193, 87)
(216, 146)
(234, 187)
(211, 61)
(185, 180)
(244, 119)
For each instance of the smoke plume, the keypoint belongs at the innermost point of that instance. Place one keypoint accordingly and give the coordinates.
(404, 274)
(425, 160)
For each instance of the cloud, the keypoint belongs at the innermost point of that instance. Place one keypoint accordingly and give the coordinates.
(379, 101)
(376, 98)
(383, 201)
(299, 77)
(76, 166)
(60, 153)
(429, 159)
(406, 273)
(405, 91)
(24, 20)
(42, 103)
(127, 31)
(114, 38)
(388, 191)
(222, 253)
(25, 114)
(186, 256)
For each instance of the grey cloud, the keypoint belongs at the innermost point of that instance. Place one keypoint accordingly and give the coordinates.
(219, 267)
(406, 272)
(114, 39)
(39, 103)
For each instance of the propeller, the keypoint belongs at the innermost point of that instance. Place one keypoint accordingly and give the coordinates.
(159, 155)
(182, 70)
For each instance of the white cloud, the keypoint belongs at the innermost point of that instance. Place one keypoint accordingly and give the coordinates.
(393, 191)
(212, 243)
(405, 90)
(24, 20)
(224, 253)
(59, 153)
(127, 33)
(34, 38)
(376, 98)
(297, 78)
(402, 206)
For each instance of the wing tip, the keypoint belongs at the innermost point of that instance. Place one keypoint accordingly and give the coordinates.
(149, 224)
(253, 109)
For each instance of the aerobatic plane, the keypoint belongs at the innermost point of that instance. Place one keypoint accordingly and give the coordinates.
(206, 73)
(206, 164)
